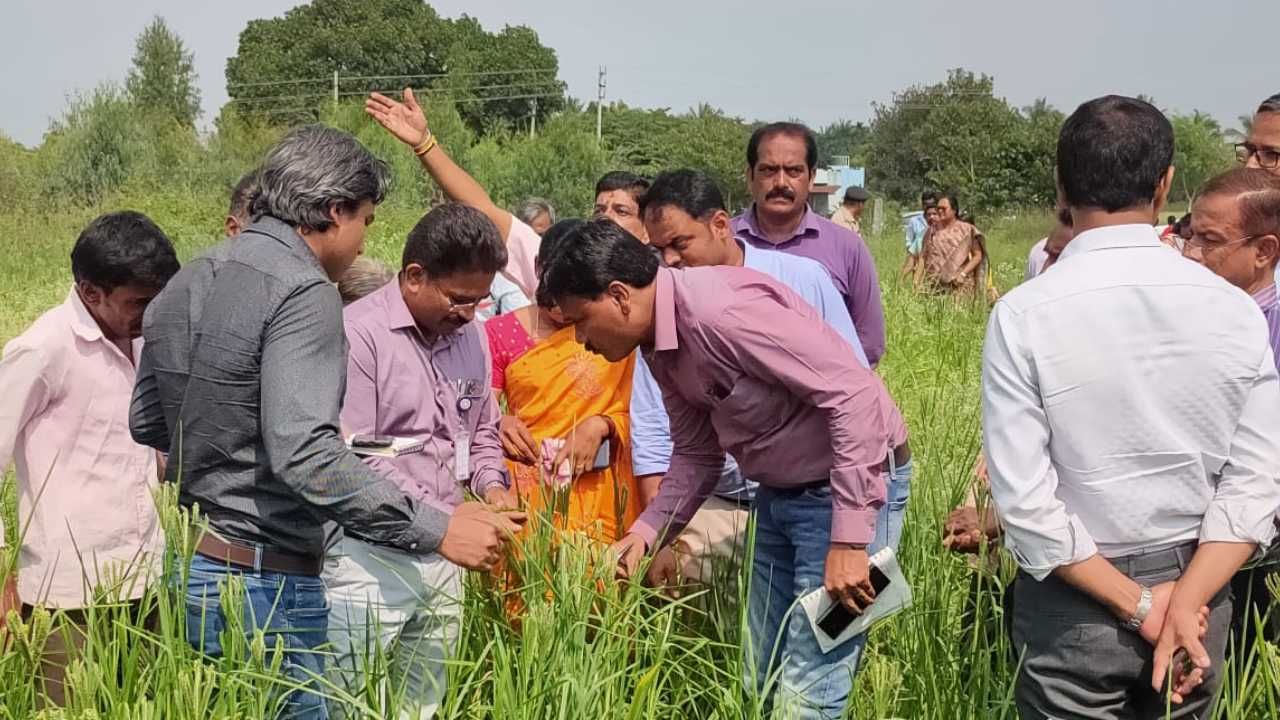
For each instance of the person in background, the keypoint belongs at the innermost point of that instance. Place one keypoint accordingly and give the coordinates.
(849, 214)
(67, 381)
(687, 221)
(915, 225)
(1236, 234)
(747, 367)
(781, 161)
(1051, 246)
(618, 196)
(364, 276)
(418, 369)
(239, 215)
(537, 214)
(256, 445)
(1261, 149)
(564, 405)
(953, 255)
(1128, 507)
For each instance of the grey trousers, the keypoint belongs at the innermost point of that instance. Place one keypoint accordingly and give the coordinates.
(1081, 662)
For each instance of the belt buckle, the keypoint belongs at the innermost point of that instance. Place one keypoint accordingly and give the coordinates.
(257, 558)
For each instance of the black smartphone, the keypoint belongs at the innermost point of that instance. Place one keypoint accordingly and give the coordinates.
(371, 441)
(838, 616)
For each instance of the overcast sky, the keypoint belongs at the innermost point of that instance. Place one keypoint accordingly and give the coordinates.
(818, 61)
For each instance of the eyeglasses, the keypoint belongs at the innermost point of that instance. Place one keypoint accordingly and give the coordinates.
(1198, 242)
(1267, 157)
(463, 306)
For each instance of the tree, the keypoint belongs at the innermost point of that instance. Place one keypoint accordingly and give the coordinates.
(163, 77)
(1200, 151)
(284, 66)
(843, 138)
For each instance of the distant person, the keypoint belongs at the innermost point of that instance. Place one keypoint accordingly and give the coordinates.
(537, 214)
(1236, 223)
(1261, 149)
(364, 276)
(849, 214)
(67, 381)
(241, 381)
(417, 369)
(618, 196)
(688, 222)
(1131, 421)
(953, 255)
(239, 215)
(782, 159)
(747, 367)
(915, 225)
(1051, 246)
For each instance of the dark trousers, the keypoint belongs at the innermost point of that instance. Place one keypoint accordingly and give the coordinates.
(1253, 604)
(1081, 662)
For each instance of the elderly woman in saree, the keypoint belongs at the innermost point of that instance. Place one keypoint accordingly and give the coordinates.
(953, 258)
(567, 416)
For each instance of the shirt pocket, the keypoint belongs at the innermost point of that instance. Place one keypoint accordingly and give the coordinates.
(750, 409)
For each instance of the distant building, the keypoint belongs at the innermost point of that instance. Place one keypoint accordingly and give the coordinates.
(829, 184)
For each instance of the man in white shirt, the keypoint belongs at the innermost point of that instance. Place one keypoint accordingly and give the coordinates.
(1131, 415)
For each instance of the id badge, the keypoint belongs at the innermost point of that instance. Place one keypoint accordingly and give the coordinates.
(462, 457)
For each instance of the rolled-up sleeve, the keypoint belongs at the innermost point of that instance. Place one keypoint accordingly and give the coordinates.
(696, 462)
(1039, 531)
(1244, 504)
(300, 430)
(650, 428)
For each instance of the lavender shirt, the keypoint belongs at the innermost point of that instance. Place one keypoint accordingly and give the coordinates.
(845, 256)
(748, 367)
(400, 384)
(1270, 304)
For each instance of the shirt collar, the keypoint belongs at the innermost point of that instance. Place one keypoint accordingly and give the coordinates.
(664, 311)
(398, 314)
(1267, 297)
(1110, 237)
(808, 224)
(288, 235)
(82, 322)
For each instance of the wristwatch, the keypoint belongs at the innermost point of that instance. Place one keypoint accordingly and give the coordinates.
(1144, 609)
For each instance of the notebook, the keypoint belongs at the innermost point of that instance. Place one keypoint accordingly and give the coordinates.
(894, 597)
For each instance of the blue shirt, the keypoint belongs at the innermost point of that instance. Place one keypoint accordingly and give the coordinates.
(650, 427)
(915, 227)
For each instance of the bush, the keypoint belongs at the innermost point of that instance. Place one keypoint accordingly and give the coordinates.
(94, 148)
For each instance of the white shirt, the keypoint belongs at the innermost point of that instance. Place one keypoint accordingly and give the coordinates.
(1130, 403)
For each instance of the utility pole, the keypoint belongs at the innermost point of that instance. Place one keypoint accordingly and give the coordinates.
(335, 90)
(600, 102)
(533, 118)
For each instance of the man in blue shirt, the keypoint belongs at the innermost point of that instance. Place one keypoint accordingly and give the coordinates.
(914, 225)
(686, 220)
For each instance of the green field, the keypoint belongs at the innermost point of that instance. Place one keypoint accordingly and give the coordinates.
(594, 649)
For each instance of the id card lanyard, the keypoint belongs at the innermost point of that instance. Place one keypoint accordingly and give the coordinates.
(466, 390)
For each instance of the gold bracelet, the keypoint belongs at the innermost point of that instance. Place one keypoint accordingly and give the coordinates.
(426, 145)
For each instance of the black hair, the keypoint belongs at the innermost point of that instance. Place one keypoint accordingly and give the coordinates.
(455, 238)
(784, 128)
(1064, 217)
(623, 180)
(1270, 105)
(242, 195)
(591, 255)
(928, 198)
(1172, 219)
(1113, 152)
(689, 190)
(123, 248)
(553, 238)
(951, 198)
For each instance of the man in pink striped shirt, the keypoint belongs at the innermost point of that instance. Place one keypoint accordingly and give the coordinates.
(746, 366)
(65, 424)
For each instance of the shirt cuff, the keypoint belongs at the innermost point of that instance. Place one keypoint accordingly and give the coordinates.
(488, 478)
(1040, 551)
(1238, 522)
(646, 533)
(425, 531)
(853, 527)
(641, 468)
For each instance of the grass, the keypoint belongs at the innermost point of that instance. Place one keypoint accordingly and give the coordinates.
(586, 646)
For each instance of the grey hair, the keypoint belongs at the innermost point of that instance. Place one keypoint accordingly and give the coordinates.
(1270, 105)
(532, 207)
(314, 168)
(363, 277)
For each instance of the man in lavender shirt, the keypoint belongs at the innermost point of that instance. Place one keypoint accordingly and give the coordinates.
(418, 369)
(747, 367)
(781, 161)
(1235, 228)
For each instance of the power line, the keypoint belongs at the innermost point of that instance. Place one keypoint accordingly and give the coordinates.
(472, 73)
(280, 111)
(435, 92)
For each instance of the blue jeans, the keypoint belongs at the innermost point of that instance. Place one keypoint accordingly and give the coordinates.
(291, 607)
(793, 534)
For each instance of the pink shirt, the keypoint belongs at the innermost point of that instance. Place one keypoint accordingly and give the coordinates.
(522, 250)
(84, 486)
(747, 366)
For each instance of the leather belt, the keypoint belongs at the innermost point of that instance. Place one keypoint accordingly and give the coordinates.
(257, 557)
